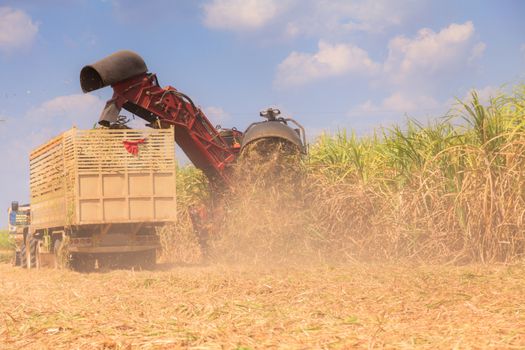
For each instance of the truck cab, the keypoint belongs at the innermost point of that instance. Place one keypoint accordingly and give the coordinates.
(19, 219)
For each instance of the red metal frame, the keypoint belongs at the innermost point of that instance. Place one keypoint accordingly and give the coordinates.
(162, 107)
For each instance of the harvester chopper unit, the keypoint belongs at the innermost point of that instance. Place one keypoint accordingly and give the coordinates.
(212, 150)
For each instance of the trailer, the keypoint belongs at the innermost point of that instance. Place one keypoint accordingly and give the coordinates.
(97, 197)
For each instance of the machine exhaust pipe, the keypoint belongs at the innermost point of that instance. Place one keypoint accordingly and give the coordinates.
(112, 69)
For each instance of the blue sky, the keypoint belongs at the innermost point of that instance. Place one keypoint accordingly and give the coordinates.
(330, 64)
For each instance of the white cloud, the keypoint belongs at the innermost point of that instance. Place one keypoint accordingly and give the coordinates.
(330, 60)
(216, 114)
(398, 103)
(333, 17)
(393, 109)
(319, 18)
(477, 51)
(239, 14)
(411, 62)
(17, 29)
(83, 110)
(369, 115)
(430, 52)
(485, 94)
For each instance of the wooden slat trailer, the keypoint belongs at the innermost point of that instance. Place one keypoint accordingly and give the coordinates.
(98, 195)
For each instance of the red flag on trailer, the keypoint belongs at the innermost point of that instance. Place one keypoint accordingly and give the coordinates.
(133, 146)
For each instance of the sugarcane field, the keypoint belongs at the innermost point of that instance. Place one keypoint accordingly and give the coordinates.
(344, 174)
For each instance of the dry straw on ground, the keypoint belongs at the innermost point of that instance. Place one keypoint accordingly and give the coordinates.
(353, 307)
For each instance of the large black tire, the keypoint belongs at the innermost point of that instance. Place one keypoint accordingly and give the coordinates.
(23, 255)
(17, 260)
(33, 253)
(82, 262)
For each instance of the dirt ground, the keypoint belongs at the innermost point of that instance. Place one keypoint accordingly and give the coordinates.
(218, 307)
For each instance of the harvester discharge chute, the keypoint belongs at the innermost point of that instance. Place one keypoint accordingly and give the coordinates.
(112, 69)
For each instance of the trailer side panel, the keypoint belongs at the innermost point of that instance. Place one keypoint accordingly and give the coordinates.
(102, 176)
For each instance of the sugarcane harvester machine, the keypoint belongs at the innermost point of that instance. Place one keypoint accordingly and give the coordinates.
(214, 150)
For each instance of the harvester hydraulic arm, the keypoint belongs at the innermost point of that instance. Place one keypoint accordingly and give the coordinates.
(163, 107)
